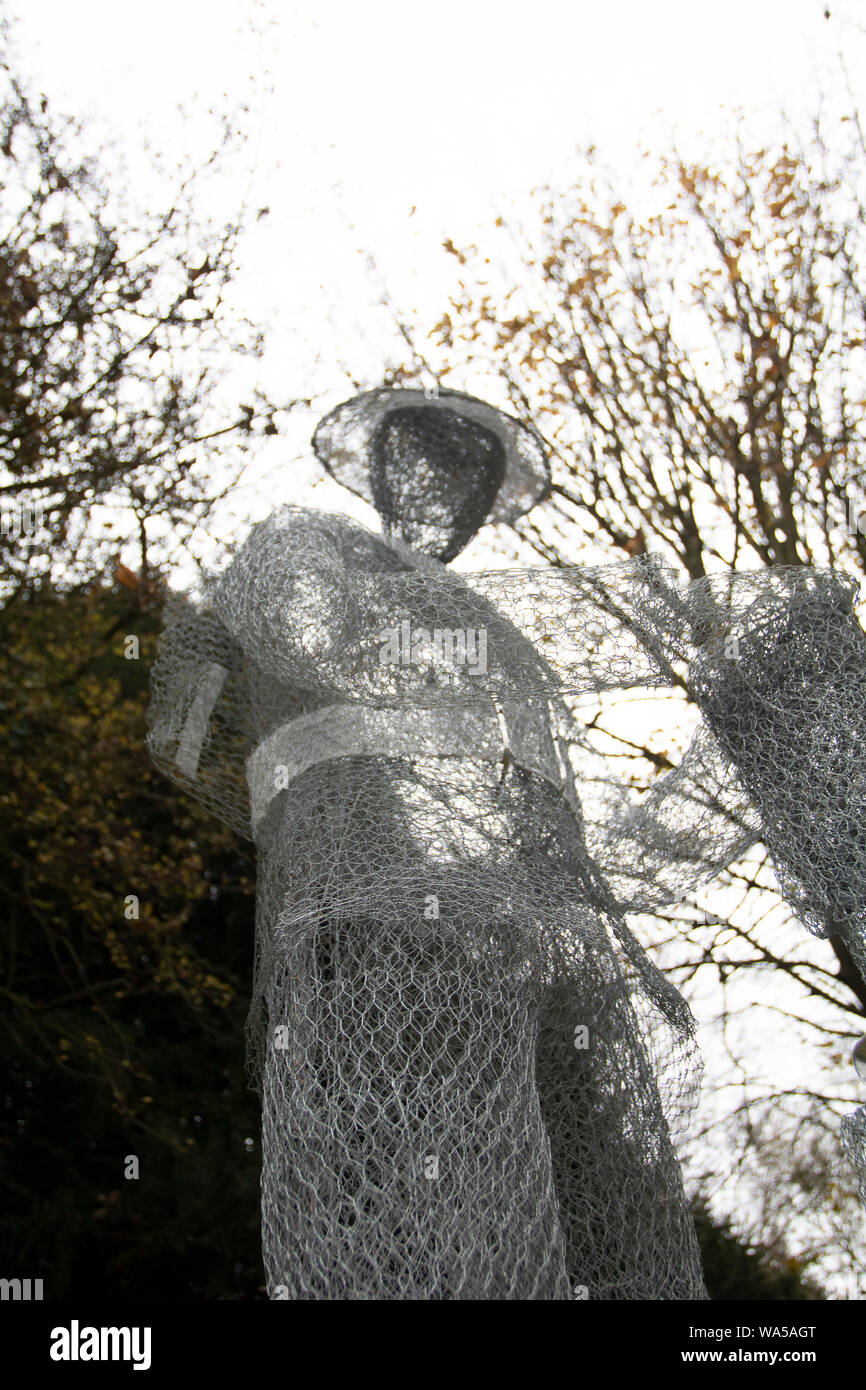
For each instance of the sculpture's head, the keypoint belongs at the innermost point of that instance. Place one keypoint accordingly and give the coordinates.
(434, 477)
(434, 467)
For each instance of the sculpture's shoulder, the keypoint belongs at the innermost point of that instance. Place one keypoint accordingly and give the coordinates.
(302, 538)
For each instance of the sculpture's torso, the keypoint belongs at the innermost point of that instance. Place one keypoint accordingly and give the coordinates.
(432, 938)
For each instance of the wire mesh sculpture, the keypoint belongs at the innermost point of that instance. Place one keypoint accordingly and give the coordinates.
(470, 1070)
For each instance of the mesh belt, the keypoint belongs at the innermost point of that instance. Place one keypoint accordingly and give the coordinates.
(344, 731)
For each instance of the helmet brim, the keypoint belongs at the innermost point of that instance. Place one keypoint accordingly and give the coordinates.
(342, 438)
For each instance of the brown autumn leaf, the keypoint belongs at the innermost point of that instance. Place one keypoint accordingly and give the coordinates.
(125, 576)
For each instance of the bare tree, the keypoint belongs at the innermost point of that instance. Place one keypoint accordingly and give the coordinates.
(115, 331)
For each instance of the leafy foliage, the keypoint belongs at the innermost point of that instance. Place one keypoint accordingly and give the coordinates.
(736, 1270)
(121, 1036)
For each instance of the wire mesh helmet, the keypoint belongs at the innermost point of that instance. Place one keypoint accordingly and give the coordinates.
(434, 467)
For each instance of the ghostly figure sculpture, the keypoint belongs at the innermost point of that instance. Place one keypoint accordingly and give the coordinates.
(470, 1070)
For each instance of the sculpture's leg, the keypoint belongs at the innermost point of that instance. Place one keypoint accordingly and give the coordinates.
(405, 1156)
(623, 1208)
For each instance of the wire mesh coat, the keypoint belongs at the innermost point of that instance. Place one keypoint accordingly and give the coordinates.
(470, 1070)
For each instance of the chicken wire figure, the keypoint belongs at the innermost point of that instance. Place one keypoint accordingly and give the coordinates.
(470, 1070)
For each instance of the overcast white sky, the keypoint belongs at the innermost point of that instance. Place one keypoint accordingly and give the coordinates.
(385, 127)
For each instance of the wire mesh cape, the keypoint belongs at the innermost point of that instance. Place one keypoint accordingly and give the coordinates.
(470, 1069)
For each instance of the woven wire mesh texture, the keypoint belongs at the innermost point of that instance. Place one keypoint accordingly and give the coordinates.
(434, 476)
(788, 705)
(471, 1072)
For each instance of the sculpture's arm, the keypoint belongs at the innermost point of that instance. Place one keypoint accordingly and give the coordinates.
(785, 695)
(197, 730)
(693, 822)
(783, 689)
(778, 668)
